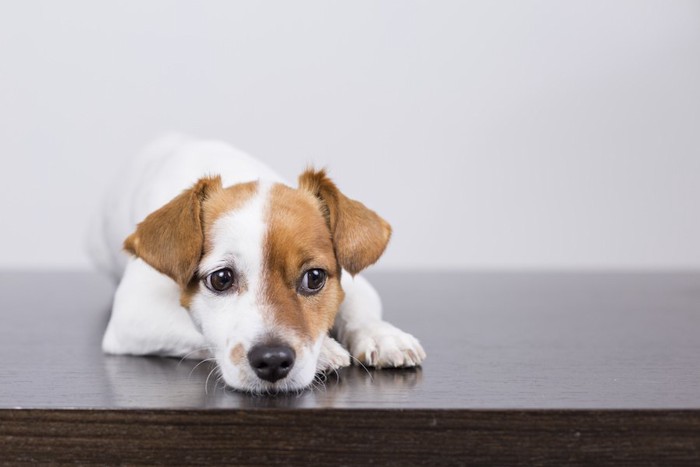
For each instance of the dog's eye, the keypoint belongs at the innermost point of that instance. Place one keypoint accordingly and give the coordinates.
(312, 281)
(220, 280)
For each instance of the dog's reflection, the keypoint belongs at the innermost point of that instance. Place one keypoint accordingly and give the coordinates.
(167, 382)
(343, 389)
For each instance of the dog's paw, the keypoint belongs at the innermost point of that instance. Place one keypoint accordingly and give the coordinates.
(382, 345)
(333, 356)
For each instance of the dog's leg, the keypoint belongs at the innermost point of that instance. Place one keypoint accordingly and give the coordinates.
(371, 340)
(147, 318)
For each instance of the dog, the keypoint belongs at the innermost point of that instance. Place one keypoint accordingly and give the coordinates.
(217, 257)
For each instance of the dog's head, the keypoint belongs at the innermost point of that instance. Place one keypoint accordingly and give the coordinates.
(259, 268)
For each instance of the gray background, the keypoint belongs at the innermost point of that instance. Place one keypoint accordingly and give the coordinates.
(490, 134)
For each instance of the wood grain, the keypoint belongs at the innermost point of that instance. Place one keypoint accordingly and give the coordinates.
(352, 437)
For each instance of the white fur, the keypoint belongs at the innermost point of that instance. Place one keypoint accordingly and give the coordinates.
(147, 317)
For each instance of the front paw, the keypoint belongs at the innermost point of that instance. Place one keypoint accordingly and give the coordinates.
(382, 345)
(333, 356)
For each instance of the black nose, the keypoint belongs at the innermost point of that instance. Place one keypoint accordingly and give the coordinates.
(271, 362)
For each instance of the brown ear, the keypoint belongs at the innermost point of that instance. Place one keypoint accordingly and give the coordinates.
(171, 238)
(359, 234)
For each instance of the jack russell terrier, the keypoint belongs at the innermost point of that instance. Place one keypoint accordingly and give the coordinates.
(227, 261)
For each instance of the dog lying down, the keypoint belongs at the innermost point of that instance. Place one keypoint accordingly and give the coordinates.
(224, 260)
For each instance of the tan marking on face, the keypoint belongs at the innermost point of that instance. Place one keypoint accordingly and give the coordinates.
(217, 203)
(237, 355)
(298, 239)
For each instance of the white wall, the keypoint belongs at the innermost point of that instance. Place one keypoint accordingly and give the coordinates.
(491, 134)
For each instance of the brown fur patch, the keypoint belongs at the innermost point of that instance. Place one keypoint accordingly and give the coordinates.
(359, 235)
(298, 239)
(237, 355)
(188, 293)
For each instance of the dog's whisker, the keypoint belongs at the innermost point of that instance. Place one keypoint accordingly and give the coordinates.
(212, 359)
(363, 367)
(184, 357)
(220, 379)
(206, 382)
(319, 382)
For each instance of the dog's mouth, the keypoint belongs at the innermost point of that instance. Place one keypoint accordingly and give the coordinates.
(252, 384)
(263, 388)
(271, 368)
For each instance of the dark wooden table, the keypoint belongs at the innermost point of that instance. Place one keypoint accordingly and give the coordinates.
(522, 368)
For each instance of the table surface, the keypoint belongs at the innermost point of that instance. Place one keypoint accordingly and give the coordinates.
(494, 341)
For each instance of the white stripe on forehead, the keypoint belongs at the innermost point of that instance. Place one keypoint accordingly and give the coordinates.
(237, 236)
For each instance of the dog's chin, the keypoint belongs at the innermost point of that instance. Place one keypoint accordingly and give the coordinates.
(243, 380)
(284, 386)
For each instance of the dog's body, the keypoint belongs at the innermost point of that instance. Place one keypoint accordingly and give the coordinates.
(249, 274)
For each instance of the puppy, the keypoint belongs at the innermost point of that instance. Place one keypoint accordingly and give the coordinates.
(224, 260)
